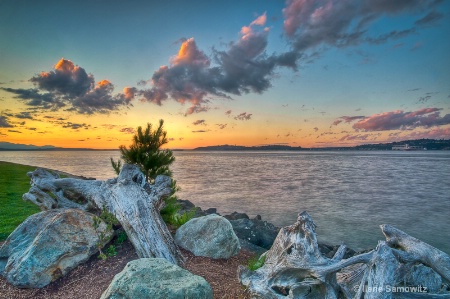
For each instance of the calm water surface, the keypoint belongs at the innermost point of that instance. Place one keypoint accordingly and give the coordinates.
(348, 194)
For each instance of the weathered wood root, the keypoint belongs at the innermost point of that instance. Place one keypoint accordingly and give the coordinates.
(129, 197)
(295, 268)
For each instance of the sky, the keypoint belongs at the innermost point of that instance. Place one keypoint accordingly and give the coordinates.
(86, 74)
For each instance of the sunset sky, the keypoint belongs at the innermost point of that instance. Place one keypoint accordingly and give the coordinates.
(299, 72)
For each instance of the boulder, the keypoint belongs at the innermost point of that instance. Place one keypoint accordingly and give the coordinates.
(210, 236)
(49, 244)
(156, 278)
(258, 232)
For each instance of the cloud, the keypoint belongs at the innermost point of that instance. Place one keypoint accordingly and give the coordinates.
(200, 131)
(424, 99)
(192, 77)
(349, 137)
(347, 119)
(128, 130)
(32, 97)
(243, 116)
(69, 86)
(75, 126)
(130, 93)
(430, 19)
(23, 115)
(316, 129)
(260, 21)
(67, 80)
(400, 120)
(14, 131)
(435, 133)
(336, 122)
(228, 112)
(310, 24)
(199, 122)
(4, 123)
(221, 126)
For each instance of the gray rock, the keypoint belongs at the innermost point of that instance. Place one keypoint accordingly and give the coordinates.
(156, 278)
(49, 244)
(251, 247)
(210, 236)
(329, 250)
(187, 206)
(258, 217)
(211, 211)
(236, 215)
(260, 233)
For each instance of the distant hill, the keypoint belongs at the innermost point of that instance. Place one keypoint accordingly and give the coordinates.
(8, 146)
(226, 147)
(429, 144)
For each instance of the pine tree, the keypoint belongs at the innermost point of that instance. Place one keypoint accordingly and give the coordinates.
(146, 152)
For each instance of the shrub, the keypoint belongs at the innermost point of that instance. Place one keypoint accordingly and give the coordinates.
(121, 238)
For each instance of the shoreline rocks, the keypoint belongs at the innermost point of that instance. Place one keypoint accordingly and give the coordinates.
(254, 234)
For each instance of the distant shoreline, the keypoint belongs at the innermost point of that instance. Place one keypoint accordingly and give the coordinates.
(429, 144)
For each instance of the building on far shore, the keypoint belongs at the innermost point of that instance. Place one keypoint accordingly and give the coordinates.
(407, 147)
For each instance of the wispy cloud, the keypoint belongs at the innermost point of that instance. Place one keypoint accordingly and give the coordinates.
(127, 130)
(350, 137)
(347, 119)
(243, 116)
(310, 24)
(76, 126)
(200, 131)
(4, 123)
(199, 122)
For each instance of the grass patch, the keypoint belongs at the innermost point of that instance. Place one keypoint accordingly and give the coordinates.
(256, 262)
(13, 184)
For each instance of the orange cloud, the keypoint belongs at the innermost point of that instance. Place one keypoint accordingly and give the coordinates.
(104, 83)
(190, 54)
(129, 92)
(65, 65)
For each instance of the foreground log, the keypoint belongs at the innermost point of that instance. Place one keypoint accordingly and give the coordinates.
(133, 201)
(295, 268)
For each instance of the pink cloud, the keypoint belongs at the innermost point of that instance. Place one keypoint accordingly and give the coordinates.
(400, 120)
(260, 21)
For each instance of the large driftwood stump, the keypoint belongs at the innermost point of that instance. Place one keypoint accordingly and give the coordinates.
(295, 268)
(133, 201)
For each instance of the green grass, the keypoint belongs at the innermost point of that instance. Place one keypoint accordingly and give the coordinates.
(256, 262)
(13, 184)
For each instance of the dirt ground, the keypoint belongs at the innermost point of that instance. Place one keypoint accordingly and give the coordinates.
(90, 279)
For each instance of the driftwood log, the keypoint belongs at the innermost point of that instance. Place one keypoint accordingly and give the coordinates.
(295, 268)
(133, 201)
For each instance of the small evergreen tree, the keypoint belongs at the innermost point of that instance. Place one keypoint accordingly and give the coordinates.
(146, 152)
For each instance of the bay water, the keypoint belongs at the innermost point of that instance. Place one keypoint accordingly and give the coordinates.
(348, 193)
